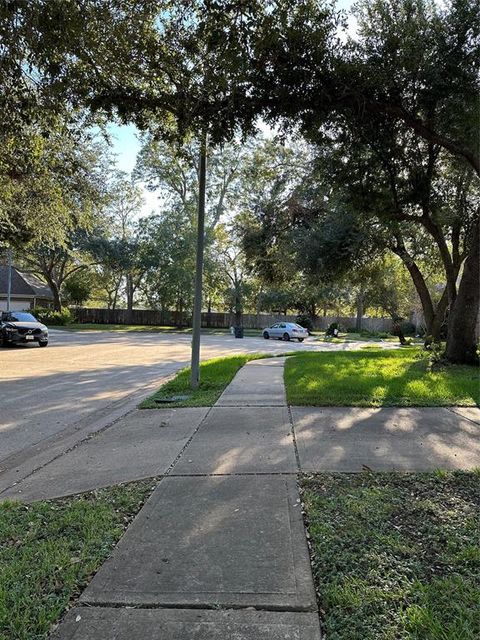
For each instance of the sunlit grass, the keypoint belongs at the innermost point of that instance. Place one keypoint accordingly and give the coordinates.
(215, 375)
(396, 555)
(378, 378)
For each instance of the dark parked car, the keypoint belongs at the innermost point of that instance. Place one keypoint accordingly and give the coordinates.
(19, 327)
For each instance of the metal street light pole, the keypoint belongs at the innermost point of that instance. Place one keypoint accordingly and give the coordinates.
(197, 304)
(9, 279)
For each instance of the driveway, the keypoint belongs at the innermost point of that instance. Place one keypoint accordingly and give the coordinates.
(84, 378)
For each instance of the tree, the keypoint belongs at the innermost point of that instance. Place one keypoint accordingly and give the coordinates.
(464, 316)
(421, 205)
(78, 287)
(171, 170)
(231, 259)
(411, 63)
(185, 65)
(169, 258)
(80, 195)
(412, 71)
(54, 194)
(125, 239)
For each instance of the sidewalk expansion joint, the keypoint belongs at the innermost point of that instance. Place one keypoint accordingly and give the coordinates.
(452, 410)
(230, 475)
(243, 405)
(294, 437)
(187, 443)
(199, 606)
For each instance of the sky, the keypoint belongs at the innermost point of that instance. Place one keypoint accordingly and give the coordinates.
(125, 144)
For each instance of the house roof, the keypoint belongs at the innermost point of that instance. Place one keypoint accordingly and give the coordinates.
(23, 283)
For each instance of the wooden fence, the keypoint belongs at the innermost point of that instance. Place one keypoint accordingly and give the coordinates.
(214, 320)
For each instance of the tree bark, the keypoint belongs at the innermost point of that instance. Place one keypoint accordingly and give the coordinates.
(397, 328)
(129, 292)
(461, 342)
(57, 302)
(420, 286)
(450, 272)
(439, 317)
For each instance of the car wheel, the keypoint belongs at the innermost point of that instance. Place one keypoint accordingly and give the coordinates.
(266, 335)
(301, 339)
(43, 343)
(286, 337)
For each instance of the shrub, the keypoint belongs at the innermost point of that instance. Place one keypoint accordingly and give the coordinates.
(51, 317)
(408, 328)
(366, 333)
(305, 322)
(351, 330)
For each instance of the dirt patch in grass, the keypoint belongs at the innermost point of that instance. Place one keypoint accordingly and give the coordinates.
(50, 550)
(396, 556)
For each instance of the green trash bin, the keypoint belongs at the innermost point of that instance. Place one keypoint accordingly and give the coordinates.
(238, 332)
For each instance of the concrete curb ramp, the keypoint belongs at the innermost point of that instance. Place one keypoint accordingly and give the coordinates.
(142, 444)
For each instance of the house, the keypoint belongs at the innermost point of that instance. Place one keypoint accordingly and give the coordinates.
(27, 291)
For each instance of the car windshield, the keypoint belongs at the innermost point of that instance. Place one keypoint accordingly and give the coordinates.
(298, 326)
(18, 317)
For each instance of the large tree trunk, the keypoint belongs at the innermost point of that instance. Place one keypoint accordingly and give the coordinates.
(461, 343)
(57, 302)
(439, 317)
(180, 313)
(420, 286)
(238, 311)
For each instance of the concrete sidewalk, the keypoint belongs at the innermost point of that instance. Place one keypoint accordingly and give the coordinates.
(387, 438)
(219, 550)
(142, 444)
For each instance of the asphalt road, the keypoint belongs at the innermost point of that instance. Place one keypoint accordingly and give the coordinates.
(45, 393)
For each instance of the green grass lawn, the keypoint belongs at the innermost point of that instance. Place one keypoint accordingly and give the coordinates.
(400, 377)
(90, 326)
(396, 556)
(215, 375)
(49, 551)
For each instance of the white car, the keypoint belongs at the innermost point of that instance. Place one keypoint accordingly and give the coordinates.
(285, 331)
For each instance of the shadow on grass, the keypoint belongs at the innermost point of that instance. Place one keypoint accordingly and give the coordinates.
(396, 555)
